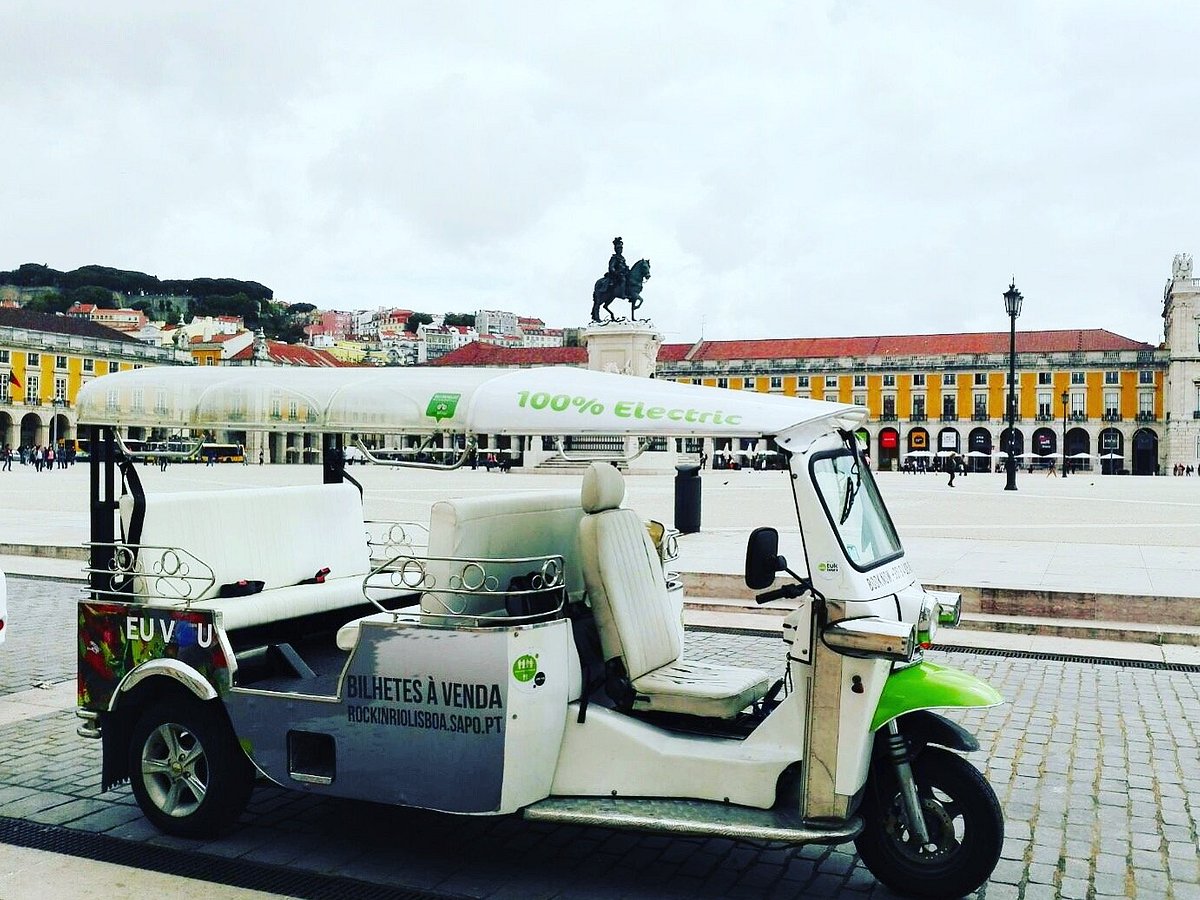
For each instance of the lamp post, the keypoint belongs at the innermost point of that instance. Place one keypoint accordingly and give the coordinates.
(55, 405)
(1065, 397)
(1012, 305)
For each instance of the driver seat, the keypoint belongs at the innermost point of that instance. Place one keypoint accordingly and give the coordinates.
(634, 615)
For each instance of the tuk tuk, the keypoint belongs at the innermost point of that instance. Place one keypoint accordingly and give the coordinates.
(522, 652)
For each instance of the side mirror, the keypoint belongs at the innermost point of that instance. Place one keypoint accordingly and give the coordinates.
(762, 558)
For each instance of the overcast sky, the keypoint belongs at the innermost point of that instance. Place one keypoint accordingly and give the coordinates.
(816, 169)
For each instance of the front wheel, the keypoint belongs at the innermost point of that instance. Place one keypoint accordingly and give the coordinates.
(962, 816)
(188, 773)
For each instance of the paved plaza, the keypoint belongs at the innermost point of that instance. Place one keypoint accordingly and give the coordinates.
(1096, 765)
(1111, 534)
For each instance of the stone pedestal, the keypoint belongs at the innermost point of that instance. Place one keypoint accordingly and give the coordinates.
(628, 348)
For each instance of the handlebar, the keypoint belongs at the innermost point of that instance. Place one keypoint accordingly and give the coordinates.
(786, 592)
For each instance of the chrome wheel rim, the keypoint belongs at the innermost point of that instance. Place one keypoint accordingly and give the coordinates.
(174, 770)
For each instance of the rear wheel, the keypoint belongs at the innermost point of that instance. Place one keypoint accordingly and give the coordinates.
(188, 773)
(963, 819)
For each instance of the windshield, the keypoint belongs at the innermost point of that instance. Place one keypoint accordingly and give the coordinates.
(855, 509)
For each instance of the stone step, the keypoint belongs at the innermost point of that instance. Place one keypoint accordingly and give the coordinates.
(715, 611)
(1087, 607)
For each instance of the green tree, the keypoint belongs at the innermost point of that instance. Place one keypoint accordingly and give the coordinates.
(416, 320)
(464, 319)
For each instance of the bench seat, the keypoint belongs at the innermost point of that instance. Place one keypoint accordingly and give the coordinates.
(279, 536)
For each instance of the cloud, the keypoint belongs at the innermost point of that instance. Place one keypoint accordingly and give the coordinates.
(830, 168)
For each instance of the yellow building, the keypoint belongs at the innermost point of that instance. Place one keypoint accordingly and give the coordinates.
(1095, 396)
(43, 361)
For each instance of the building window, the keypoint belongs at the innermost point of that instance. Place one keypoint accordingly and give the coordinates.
(1045, 411)
(89, 365)
(748, 383)
(111, 400)
(889, 380)
(860, 399)
(918, 381)
(1078, 405)
(160, 402)
(276, 411)
(139, 400)
(1146, 404)
(1112, 377)
(981, 412)
(60, 362)
(1044, 379)
(60, 389)
(723, 382)
(918, 407)
(34, 359)
(1077, 378)
(4, 396)
(292, 410)
(1198, 446)
(801, 381)
(981, 379)
(950, 379)
(949, 407)
(3, 356)
(1145, 377)
(860, 381)
(889, 407)
(776, 382)
(33, 390)
(1112, 404)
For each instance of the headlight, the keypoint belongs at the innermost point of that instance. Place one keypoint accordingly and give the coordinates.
(927, 623)
(948, 606)
(871, 636)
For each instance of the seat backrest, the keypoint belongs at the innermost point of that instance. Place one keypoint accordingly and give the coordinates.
(624, 576)
(275, 535)
(507, 526)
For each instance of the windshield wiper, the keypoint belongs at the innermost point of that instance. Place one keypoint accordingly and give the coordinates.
(851, 492)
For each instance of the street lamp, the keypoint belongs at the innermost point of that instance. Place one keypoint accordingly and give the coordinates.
(1012, 305)
(1065, 397)
(55, 405)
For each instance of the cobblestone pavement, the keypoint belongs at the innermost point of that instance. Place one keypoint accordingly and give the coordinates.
(1096, 767)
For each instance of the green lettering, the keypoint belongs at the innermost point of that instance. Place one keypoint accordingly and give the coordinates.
(637, 411)
(691, 416)
(733, 420)
(623, 409)
(655, 412)
(675, 415)
(704, 417)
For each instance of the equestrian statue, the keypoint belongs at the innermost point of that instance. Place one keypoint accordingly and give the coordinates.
(620, 282)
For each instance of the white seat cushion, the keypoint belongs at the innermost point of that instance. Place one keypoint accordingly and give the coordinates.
(699, 689)
(638, 621)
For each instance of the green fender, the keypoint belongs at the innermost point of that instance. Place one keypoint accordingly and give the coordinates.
(930, 685)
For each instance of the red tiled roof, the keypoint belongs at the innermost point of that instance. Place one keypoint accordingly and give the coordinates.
(213, 339)
(292, 355)
(37, 321)
(477, 354)
(1081, 339)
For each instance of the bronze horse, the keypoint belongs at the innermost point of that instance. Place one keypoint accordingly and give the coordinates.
(605, 292)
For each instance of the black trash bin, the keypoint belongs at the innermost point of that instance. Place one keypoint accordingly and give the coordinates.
(687, 498)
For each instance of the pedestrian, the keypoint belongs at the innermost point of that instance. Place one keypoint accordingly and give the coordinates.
(244, 455)
(8, 455)
(1052, 469)
(260, 457)
(952, 467)
(49, 457)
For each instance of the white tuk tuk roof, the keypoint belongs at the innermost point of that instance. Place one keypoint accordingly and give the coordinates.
(551, 400)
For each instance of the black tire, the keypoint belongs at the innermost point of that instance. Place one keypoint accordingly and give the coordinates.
(188, 773)
(962, 814)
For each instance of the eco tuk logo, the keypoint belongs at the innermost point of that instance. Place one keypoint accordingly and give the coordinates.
(525, 668)
(442, 406)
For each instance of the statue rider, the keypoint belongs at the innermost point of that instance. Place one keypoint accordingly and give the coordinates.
(618, 271)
